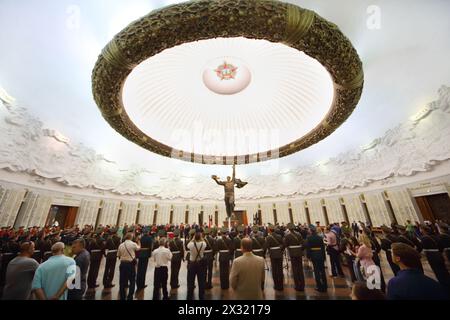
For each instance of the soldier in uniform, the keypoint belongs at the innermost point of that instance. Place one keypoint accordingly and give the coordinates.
(293, 241)
(96, 249)
(210, 252)
(111, 245)
(177, 249)
(315, 251)
(387, 239)
(402, 238)
(47, 248)
(237, 242)
(434, 256)
(144, 254)
(259, 243)
(224, 245)
(444, 243)
(408, 239)
(274, 243)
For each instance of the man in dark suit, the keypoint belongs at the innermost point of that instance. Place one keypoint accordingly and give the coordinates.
(210, 252)
(96, 248)
(224, 245)
(430, 244)
(315, 251)
(112, 244)
(274, 243)
(410, 283)
(355, 229)
(177, 249)
(144, 254)
(293, 241)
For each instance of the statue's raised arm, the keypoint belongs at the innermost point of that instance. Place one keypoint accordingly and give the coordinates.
(216, 179)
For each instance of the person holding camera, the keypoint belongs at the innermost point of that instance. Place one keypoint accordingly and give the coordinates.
(127, 276)
(197, 266)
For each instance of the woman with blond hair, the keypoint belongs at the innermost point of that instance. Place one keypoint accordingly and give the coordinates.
(365, 253)
(363, 256)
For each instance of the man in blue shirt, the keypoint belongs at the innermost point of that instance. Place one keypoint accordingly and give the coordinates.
(52, 275)
(410, 282)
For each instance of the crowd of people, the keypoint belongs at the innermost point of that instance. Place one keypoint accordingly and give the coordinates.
(59, 264)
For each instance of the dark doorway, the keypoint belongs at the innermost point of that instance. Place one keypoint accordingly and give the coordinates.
(391, 212)
(291, 216)
(171, 217)
(434, 207)
(344, 210)
(308, 218)
(99, 213)
(64, 216)
(366, 214)
(138, 216)
(118, 217)
(241, 217)
(200, 218)
(325, 214)
(155, 215)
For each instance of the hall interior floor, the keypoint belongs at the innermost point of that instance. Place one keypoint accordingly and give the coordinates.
(338, 288)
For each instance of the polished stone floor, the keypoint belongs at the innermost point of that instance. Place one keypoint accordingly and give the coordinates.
(339, 288)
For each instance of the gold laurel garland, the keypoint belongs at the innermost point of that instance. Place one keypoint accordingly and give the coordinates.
(298, 33)
(357, 82)
(299, 21)
(113, 54)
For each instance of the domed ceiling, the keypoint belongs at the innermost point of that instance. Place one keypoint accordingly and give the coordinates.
(49, 48)
(279, 95)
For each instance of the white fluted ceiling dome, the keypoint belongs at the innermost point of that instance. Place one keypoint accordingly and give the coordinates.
(228, 96)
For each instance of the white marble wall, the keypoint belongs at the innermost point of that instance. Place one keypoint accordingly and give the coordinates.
(34, 210)
(2, 193)
(147, 213)
(378, 211)
(267, 212)
(88, 212)
(40, 214)
(36, 205)
(403, 206)
(9, 206)
(163, 215)
(316, 211)
(334, 210)
(109, 213)
(299, 212)
(179, 212)
(194, 211)
(26, 210)
(283, 212)
(129, 213)
(354, 208)
(222, 213)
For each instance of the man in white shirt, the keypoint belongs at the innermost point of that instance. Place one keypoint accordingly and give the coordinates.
(162, 257)
(127, 255)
